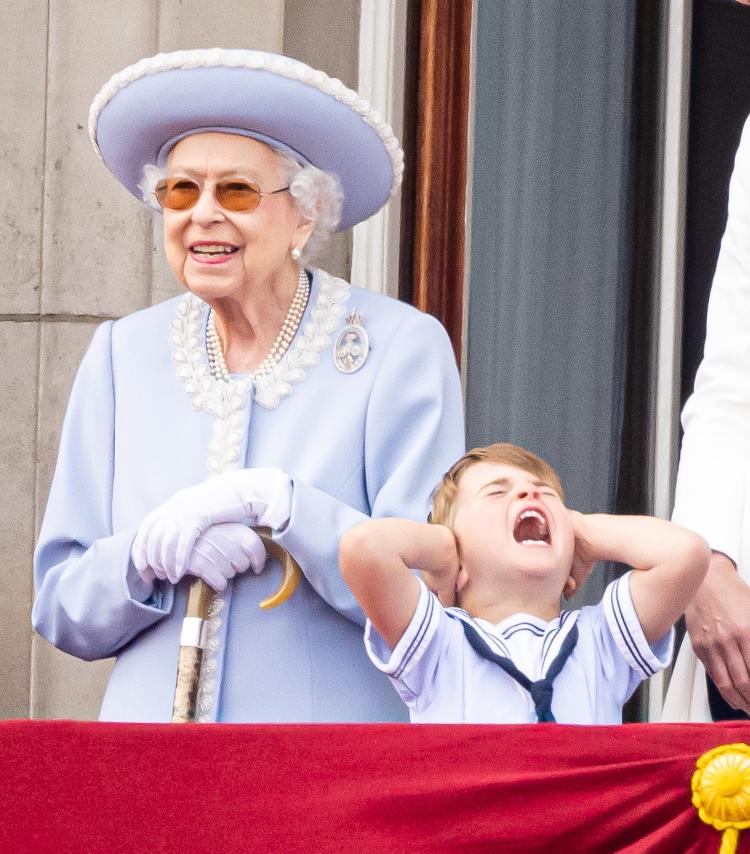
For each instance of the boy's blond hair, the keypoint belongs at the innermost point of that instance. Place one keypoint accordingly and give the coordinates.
(444, 497)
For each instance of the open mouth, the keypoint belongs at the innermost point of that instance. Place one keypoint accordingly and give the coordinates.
(531, 529)
(212, 250)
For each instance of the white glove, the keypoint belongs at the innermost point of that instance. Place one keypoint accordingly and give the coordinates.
(219, 554)
(166, 538)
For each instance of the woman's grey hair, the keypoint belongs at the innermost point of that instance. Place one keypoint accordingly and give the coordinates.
(319, 198)
(318, 195)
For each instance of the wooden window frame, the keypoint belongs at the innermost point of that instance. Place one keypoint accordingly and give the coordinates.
(436, 140)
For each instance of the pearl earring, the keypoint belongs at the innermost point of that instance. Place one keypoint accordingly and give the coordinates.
(295, 253)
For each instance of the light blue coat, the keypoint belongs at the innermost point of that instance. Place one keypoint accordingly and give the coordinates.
(371, 443)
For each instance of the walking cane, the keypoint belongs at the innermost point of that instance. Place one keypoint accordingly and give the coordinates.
(195, 627)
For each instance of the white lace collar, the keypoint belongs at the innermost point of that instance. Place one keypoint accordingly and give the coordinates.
(226, 402)
(221, 398)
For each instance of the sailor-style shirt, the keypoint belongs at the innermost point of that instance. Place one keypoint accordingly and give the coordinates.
(443, 680)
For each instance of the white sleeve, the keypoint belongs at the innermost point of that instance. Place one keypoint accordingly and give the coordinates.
(627, 657)
(716, 418)
(413, 664)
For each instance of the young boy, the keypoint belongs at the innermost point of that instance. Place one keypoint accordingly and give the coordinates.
(503, 547)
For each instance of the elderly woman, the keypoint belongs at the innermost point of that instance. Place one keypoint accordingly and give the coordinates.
(271, 394)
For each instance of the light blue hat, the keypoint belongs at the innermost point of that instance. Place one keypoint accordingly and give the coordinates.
(144, 110)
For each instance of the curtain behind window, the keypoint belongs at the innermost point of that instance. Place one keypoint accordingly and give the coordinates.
(550, 237)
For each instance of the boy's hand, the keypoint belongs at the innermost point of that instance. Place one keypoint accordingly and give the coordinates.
(377, 560)
(584, 556)
(442, 574)
(671, 562)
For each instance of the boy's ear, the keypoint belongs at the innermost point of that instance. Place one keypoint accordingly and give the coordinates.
(570, 587)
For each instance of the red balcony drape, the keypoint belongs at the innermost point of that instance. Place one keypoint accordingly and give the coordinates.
(88, 787)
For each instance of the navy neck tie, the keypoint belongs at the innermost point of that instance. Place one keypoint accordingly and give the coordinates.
(541, 690)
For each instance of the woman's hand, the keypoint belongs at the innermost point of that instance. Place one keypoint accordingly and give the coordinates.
(219, 554)
(718, 622)
(167, 537)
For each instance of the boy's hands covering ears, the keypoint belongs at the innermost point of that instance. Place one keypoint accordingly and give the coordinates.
(377, 559)
(672, 562)
(584, 555)
(441, 572)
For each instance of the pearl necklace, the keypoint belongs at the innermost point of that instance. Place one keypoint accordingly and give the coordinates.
(289, 327)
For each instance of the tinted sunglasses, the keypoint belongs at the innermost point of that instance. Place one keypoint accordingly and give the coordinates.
(180, 194)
